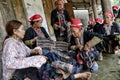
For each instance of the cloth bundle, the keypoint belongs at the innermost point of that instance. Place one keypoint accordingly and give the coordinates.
(63, 68)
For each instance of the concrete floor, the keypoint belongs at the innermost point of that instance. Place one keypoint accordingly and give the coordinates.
(0, 67)
(109, 68)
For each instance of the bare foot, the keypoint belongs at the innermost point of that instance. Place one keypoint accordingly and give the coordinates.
(100, 56)
(84, 75)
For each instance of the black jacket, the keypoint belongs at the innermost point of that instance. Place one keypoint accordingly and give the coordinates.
(30, 34)
(99, 28)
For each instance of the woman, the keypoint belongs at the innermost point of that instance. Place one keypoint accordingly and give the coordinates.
(59, 20)
(109, 29)
(53, 56)
(16, 54)
(35, 32)
(79, 43)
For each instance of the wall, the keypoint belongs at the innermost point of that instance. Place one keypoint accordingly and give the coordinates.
(83, 15)
(2, 31)
(35, 7)
(48, 7)
(6, 14)
(19, 11)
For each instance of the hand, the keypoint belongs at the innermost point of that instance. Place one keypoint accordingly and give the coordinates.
(34, 39)
(56, 27)
(86, 47)
(68, 23)
(62, 28)
(38, 51)
(79, 47)
(67, 57)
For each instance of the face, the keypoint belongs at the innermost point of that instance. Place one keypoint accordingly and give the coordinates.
(38, 23)
(60, 4)
(108, 19)
(75, 32)
(20, 32)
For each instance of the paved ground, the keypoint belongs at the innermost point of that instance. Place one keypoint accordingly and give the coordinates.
(109, 69)
(0, 66)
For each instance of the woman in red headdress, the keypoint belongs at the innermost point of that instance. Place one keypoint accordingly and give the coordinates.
(115, 10)
(85, 53)
(35, 31)
(109, 29)
(59, 20)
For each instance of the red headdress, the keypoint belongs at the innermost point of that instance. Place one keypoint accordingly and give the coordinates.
(99, 20)
(35, 17)
(110, 14)
(76, 23)
(115, 7)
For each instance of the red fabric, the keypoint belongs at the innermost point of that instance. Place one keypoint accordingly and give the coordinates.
(35, 17)
(61, 22)
(110, 14)
(99, 20)
(79, 60)
(115, 7)
(76, 23)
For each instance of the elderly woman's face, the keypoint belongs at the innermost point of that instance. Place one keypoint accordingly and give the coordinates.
(108, 18)
(38, 23)
(60, 4)
(75, 32)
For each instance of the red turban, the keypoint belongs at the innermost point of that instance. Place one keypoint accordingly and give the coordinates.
(116, 7)
(110, 14)
(99, 20)
(35, 17)
(76, 23)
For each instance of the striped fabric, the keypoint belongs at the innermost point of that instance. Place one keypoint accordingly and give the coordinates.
(59, 45)
(63, 68)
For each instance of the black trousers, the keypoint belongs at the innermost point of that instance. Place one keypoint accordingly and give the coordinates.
(21, 74)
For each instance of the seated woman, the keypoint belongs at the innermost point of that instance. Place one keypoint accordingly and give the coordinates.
(110, 30)
(15, 54)
(79, 43)
(35, 31)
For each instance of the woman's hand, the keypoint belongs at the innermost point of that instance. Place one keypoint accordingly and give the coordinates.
(79, 47)
(67, 57)
(34, 39)
(38, 51)
(56, 27)
(86, 47)
(62, 28)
